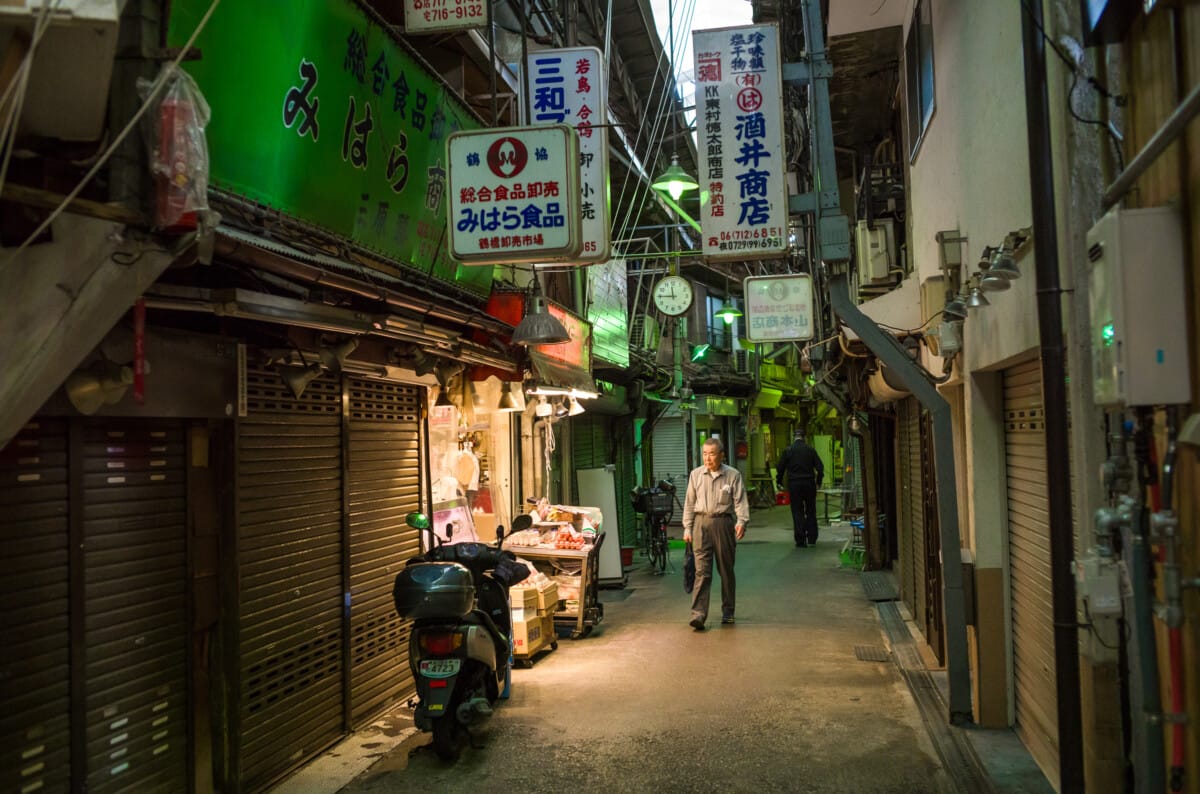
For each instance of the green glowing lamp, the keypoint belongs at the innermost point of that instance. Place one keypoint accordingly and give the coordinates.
(675, 181)
(699, 352)
(728, 312)
(1108, 334)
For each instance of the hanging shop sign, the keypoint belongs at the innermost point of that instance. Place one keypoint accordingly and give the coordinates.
(570, 86)
(778, 308)
(341, 126)
(514, 195)
(427, 16)
(608, 301)
(743, 162)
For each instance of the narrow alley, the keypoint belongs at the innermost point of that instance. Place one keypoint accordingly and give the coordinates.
(780, 701)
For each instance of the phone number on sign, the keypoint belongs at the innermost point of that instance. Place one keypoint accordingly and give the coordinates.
(751, 245)
(752, 234)
(436, 10)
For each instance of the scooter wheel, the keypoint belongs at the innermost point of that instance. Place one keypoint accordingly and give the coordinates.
(445, 738)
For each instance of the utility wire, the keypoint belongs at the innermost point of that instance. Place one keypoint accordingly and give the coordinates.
(155, 88)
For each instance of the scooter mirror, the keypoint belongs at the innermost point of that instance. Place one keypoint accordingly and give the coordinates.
(417, 520)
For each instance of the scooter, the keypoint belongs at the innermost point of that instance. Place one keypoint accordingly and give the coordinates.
(460, 646)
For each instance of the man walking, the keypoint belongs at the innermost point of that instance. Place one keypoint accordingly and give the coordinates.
(804, 472)
(715, 513)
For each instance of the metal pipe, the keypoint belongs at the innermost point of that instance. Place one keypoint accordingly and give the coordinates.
(889, 351)
(1171, 129)
(314, 276)
(1054, 401)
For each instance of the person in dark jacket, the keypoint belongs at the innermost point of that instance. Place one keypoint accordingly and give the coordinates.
(804, 471)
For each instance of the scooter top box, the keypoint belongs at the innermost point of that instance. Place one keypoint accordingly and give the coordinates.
(433, 590)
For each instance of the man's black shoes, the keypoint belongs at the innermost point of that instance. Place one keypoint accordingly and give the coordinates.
(697, 624)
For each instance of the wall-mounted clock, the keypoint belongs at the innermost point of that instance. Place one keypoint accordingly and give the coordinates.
(673, 295)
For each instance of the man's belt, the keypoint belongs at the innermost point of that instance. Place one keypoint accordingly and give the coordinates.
(715, 515)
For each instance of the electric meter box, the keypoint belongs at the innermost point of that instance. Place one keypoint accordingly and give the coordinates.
(1138, 315)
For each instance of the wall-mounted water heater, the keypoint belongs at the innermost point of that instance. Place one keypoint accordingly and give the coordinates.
(1138, 312)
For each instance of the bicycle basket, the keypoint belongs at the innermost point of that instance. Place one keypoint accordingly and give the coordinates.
(661, 504)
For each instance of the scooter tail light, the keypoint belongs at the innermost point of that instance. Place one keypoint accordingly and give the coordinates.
(441, 643)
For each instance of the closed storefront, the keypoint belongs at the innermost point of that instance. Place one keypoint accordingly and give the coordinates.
(912, 574)
(1036, 719)
(669, 442)
(322, 496)
(94, 517)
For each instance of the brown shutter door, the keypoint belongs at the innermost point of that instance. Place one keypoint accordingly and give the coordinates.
(290, 547)
(35, 738)
(135, 577)
(1029, 565)
(383, 486)
(912, 511)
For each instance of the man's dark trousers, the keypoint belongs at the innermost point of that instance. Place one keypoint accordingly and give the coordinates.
(803, 496)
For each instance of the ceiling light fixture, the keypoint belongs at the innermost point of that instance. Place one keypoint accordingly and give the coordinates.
(538, 326)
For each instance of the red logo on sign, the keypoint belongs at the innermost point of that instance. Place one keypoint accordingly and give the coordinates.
(507, 157)
(749, 99)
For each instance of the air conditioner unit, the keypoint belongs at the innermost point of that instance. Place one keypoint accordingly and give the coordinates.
(875, 250)
(742, 362)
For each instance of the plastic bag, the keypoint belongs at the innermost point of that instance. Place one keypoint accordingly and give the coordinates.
(689, 568)
(178, 150)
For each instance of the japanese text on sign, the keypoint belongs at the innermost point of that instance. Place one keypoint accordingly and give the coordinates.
(741, 144)
(514, 195)
(778, 308)
(422, 16)
(569, 86)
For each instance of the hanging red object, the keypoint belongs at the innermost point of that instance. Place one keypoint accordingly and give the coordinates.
(176, 117)
(139, 351)
(741, 450)
(783, 498)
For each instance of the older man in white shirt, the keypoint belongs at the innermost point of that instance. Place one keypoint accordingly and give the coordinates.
(715, 513)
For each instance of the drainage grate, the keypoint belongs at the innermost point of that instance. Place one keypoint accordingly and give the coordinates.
(871, 653)
(878, 586)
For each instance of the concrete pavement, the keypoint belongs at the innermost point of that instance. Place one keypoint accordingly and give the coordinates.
(778, 702)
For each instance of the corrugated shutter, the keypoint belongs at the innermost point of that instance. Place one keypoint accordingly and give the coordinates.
(383, 486)
(626, 476)
(1029, 565)
(589, 441)
(135, 571)
(291, 636)
(670, 451)
(35, 733)
(931, 542)
(912, 510)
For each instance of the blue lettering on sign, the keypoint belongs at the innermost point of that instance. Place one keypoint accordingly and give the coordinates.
(549, 90)
(511, 217)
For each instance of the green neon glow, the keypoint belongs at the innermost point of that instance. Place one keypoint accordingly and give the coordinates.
(1108, 334)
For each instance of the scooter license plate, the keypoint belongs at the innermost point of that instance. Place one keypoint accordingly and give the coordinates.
(439, 668)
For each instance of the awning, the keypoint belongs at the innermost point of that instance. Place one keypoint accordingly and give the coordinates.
(555, 374)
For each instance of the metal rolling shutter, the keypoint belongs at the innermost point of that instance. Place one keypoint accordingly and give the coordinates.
(670, 451)
(912, 518)
(290, 633)
(1029, 565)
(626, 481)
(383, 485)
(135, 571)
(35, 741)
(589, 441)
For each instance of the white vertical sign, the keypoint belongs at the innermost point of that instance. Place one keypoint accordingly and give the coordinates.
(427, 16)
(778, 308)
(743, 164)
(570, 86)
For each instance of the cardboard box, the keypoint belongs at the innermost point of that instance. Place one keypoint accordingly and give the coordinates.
(547, 599)
(529, 635)
(523, 602)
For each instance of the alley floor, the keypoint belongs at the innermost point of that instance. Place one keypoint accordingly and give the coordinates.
(780, 701)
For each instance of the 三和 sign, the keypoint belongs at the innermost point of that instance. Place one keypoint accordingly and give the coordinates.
(569, 86)
(424, 16)
(739, 101)
(779, 308)
(514, 195)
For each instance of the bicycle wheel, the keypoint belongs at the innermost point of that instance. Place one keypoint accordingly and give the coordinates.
(658, 554)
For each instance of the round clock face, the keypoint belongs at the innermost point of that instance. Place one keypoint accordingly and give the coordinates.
(673, 295)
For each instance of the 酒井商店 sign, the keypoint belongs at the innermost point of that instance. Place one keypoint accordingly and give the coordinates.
(743, 163)
(514, 195)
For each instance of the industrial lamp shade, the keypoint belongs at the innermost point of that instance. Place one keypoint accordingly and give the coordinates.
(976, 298)
(103, 383)
(576, 409)
(954, 309)
(443, 398)
(510, 401)
(728, 312)
(334, 356)
(992, 282)
(539, 327)
(297, 377)
(1004, 265)
(675, 181)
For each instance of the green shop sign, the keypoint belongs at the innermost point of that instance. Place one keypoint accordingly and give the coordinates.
(319, 113)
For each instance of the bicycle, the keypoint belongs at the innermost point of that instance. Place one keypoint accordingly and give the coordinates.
(657, 506)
